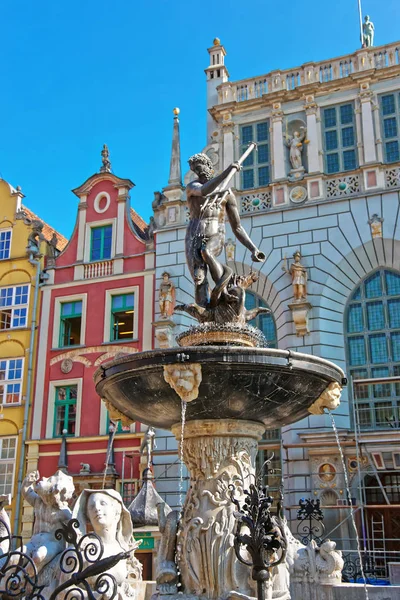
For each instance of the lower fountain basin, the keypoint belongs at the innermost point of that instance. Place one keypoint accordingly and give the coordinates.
(273, 387)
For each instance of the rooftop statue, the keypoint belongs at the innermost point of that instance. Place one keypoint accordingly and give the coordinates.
(368, 32)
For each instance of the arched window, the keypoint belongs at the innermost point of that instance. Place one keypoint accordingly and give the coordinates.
(373, 349)
(264, 322)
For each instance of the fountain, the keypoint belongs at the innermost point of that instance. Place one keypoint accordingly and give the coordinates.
(218, 391)
(232, 389)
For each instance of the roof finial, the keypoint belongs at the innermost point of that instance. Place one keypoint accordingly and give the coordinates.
(105, 159)
(175, 174)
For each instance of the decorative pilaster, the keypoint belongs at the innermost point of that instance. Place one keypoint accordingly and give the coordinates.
(313, 148)
(218, 454)
(367, 123)
(227, 130)
(279, 171)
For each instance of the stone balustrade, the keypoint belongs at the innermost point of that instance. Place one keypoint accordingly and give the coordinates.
(104, 268)
(313, 72)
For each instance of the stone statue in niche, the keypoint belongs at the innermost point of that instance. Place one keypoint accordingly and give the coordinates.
(295, 143)
(368, 32)
(49, 497)
(166, 298)
(106, 514)
(298, 273)
(148, 445)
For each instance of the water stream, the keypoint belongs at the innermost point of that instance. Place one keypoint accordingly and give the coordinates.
(183, 420)
(109, 450)
(352, 518)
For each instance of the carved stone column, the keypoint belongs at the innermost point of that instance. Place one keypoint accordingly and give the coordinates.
(278, 145)
(227, 129)
(368, 134)
(217, 454)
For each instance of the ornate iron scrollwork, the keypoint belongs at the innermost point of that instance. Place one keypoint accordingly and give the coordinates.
(83, 568)
(259, 533)
(15, 582)
(311, 526)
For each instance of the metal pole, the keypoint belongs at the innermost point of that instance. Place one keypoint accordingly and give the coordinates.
(361, 24)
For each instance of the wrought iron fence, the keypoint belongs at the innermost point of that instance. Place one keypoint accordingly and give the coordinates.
(83, 570)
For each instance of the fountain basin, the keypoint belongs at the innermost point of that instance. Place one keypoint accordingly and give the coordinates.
(273, 387)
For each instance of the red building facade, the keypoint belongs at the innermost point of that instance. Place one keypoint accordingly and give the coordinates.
(97, 304)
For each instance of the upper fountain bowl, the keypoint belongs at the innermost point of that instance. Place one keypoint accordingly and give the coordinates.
(273, 387)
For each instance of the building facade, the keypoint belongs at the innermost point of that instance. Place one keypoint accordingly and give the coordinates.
(324, 182)
(97, 304)
(23, 247)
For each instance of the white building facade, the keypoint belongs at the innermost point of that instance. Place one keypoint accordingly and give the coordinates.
(340, 210)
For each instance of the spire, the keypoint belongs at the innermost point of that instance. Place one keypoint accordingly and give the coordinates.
(175, 173)
(105, 159)
(63, 458)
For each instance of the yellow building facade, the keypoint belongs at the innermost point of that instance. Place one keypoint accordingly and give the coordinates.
(24, 244)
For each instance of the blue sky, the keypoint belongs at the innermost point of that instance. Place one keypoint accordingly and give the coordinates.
(81, 73)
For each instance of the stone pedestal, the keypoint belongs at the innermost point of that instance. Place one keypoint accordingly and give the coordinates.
(218, 454)
(163, 331)
(296, 174)
(300, 310)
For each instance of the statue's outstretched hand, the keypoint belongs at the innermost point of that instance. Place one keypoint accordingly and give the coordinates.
(258, 256)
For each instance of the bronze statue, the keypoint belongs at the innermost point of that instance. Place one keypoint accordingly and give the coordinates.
(147, 446)
(208, 202)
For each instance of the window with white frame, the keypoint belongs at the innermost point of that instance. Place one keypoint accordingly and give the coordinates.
(255, 172)
(340, 141)
(11, 370)
(5, 244)
(390, 118)
(8, 455)
(14, 306)
(373, 350)
(101, 243)
(65, 407)
(121, 314)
